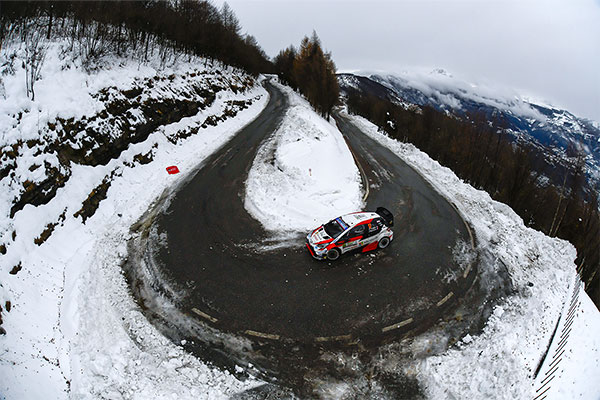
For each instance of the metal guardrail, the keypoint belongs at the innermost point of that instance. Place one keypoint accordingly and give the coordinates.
(556, 347)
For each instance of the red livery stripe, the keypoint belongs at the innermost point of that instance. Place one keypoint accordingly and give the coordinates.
(325, 241)
(369, 247)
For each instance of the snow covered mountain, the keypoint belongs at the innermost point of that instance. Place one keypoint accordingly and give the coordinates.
(550, 129)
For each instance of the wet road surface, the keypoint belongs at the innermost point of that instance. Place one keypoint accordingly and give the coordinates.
(207, 248)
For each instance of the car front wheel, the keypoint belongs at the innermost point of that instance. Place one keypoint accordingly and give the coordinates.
(333, 254)
(383, 243)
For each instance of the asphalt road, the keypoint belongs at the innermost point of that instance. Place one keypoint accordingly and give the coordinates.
(204, 247)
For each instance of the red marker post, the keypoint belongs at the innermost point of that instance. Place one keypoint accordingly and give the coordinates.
(172, 170)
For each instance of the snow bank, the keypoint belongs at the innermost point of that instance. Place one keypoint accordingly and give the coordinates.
(73, 328)
(500, 363)
(304, 175)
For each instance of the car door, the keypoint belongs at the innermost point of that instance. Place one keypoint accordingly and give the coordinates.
(371, 232)
(373, 229)
(355, 236)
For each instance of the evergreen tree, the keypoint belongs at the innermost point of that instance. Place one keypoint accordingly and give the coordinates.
(284, 65)
(311, 71)
(230, 21)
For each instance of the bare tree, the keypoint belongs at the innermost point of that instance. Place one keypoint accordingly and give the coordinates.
(36, 47)
(229, 19)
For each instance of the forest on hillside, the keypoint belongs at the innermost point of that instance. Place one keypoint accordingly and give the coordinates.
(311, 71)
(482, 154)
(136, 28)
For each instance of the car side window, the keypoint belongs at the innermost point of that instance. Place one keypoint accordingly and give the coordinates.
(374, 227)
(358, 231)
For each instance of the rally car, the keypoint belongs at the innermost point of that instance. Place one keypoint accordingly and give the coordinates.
(360, 230)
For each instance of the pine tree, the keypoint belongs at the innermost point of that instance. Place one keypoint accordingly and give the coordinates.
(314, 73)
(229, 19)
(284, 65)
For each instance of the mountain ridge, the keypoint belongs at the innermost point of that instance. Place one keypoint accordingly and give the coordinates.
(557, 131)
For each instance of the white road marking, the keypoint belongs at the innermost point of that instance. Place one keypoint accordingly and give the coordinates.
(445, 299)
(262, 335)
(398, 325)
(205, 315)
(332, 338)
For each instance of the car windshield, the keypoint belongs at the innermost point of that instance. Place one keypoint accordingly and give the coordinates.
(335, 227)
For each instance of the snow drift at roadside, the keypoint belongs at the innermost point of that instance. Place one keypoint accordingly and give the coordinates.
(73, 328)
(304, 175)
(501, 362)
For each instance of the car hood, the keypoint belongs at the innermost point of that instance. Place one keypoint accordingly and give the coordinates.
(319, 236)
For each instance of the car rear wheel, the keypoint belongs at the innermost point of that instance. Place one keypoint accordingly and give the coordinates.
(383, 243)
(333, 254)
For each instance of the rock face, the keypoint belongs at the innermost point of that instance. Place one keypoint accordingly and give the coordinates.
(128, 116)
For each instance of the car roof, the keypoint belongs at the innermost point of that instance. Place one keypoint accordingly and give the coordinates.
(358, 217)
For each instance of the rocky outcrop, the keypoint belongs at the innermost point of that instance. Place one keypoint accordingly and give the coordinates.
(129, 116)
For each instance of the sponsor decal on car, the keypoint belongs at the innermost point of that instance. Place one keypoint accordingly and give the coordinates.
(342, 223)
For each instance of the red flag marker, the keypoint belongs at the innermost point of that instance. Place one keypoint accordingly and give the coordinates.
(172, 170)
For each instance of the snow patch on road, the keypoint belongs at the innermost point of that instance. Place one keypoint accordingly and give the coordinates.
(304, 175)
(501, 361)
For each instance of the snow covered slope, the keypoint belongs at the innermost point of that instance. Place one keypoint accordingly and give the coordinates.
(304, 175)
(545, 126)
(80, 164)
(501, 362)
(72, 330)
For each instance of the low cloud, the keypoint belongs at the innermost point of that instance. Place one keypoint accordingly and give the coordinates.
(547, 50)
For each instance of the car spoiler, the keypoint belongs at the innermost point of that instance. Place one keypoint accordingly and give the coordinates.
(387, 216)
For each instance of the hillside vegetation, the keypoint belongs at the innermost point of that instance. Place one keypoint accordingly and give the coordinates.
(481, 154)
(311, 71)
(135, 28)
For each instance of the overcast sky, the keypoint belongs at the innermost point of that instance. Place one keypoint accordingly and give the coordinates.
(545, 49)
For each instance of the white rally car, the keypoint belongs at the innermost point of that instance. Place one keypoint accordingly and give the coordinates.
(361, 230)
